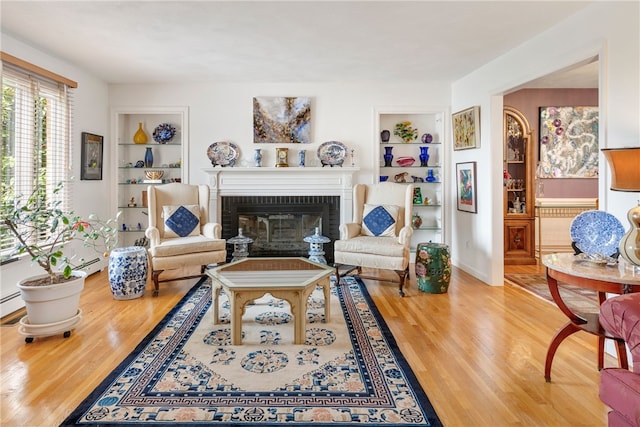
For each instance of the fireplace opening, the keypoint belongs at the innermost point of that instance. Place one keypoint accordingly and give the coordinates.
(279, 224)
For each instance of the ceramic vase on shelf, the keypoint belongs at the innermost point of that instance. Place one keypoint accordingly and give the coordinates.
(430, 177)
(257, 157)
(140, 137)
(148, 158)
(384, 135)
(416, 221)
(301, 159)
(424, 156)
(388, 156)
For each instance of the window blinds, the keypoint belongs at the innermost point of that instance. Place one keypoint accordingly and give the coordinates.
(36, 143)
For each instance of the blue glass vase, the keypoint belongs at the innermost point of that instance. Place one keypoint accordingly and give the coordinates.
(424, 156)
(148, 158)
(388, 156)
(430, 177)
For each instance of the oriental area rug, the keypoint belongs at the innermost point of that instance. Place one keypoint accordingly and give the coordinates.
(581, 299)
(186, 372)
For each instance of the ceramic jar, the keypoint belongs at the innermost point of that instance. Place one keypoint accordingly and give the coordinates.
(257, 157)
(416, 221)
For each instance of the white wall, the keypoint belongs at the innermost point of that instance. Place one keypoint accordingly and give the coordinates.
(609, 30)
(91, 115)
(224, 112)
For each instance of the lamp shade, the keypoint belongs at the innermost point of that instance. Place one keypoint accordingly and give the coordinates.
(625, 168)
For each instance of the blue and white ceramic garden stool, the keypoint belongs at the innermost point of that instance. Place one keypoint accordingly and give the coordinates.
(128, 272)
(316, 253)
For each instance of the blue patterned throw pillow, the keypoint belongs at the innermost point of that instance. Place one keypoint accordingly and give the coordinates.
(379, 220)
(181, 221)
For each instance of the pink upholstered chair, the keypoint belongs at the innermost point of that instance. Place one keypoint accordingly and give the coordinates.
(620, 388)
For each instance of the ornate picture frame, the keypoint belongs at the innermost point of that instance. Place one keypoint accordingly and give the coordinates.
(467, 196)
(91, 157)
(466, 128)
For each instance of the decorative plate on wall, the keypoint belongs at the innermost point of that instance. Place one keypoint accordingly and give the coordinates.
(223, 153)
(596, 232)
(332, 153)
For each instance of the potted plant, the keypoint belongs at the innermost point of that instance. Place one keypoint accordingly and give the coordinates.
(52, 298)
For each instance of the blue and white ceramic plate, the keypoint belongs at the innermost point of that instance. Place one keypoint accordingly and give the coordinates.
(223, 153)
(164, 133)
(332, 153)
(596, 232)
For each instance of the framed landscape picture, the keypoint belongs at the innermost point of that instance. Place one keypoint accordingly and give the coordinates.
(466, 128)
(466, 185)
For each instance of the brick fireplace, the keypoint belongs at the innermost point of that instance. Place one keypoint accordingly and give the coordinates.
(278, 207)
(278, 224)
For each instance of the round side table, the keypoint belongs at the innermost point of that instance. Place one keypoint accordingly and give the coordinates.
(316, 253)
(128, 272)
(240, 246)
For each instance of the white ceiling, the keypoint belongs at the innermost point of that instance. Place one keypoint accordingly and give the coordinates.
(287, 41)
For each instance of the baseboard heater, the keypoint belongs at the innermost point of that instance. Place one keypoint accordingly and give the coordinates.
(86, 266)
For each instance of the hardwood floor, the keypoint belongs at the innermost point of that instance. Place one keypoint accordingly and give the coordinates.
(477, 350)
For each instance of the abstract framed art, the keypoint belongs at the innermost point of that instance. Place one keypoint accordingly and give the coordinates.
(91, 155)
(466, 184)
(466, 128)
(568, 142)
(282, 120)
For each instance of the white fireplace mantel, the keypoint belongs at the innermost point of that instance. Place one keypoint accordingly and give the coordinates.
(291, 181)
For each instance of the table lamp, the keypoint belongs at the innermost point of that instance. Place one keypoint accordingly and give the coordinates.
(625, 176)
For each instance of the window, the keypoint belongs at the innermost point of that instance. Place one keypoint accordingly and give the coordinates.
(36, 143)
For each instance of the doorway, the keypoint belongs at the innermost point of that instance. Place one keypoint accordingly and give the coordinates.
(575, 85)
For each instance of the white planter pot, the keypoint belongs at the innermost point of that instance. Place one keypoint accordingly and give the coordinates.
(52, 303)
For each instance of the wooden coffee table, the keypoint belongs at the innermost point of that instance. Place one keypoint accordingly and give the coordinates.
(291, 279)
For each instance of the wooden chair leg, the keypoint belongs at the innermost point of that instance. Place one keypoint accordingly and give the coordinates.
(402, 274)
(154, 276)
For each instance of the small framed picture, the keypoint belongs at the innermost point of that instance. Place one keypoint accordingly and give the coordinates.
(466, 128)
(91, 155)
(466, 183)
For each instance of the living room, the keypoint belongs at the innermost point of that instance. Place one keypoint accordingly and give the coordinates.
(343, 111)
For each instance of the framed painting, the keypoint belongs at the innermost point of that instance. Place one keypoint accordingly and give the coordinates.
(466, 184)
(568, 142)
(91, 155)
(282, 120)
(466, 128)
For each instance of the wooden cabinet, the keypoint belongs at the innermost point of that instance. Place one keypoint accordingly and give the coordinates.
(519, 225)
(426, 175)
(169, 157)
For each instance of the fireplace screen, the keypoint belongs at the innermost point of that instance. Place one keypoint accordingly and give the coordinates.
(279, 224)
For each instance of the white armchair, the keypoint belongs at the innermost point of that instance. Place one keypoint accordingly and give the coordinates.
(380, 234)
(180, 234)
